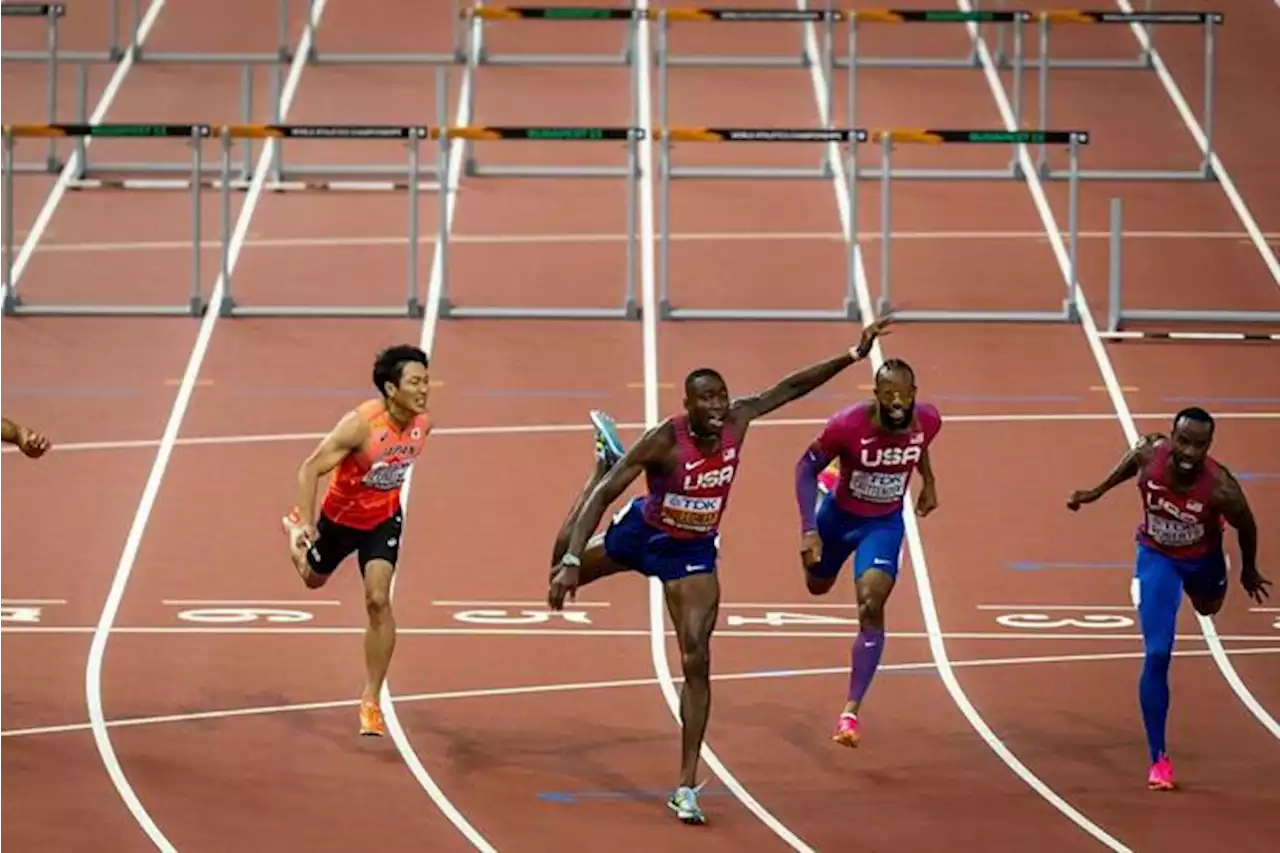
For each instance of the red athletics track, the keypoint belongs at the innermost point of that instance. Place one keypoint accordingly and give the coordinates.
(771, 733)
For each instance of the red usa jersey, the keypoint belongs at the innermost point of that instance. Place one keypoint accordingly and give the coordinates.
(690, 501)
(1183, 525)
(876, 464)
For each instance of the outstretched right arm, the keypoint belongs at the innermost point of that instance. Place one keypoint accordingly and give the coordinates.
(1126, 469)
(348, 435)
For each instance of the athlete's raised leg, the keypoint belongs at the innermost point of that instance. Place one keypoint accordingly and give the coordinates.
(1157, 595)
(595, 561)
(694, 605)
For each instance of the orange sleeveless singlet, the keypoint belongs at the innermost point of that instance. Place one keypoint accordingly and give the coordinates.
(365, 489)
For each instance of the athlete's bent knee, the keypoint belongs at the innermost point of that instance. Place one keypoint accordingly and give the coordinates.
(314, 579)
(871, 612)
(1207, 607)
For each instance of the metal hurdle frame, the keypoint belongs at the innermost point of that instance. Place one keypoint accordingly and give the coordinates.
(933, 16)
(52, 13)
(1142, 61)
(477, 15)
(1209, 20)
(146, 175)
(1118, 315)
(13, 304)
(823, 171)
(53, 52)
(850, 137)
(1072, 138)
(411, 134)
(629, 309)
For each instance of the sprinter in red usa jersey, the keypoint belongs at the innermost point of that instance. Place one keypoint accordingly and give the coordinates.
(672, 533)
(1188, 498)
(877, 444)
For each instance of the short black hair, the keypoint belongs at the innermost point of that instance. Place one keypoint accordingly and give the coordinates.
(700, 373)
(1197, 414)
(388, 365)
(895, 365)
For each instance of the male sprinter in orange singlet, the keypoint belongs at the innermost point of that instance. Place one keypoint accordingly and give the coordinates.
(373, 448)
(672, 534)
(32, 444)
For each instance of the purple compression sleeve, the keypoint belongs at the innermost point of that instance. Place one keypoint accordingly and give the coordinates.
(807, 470)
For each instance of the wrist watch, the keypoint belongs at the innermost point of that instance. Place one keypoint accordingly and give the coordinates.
(570, 560)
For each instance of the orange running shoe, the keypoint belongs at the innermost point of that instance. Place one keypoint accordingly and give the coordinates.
(847, 730)
(371, 722)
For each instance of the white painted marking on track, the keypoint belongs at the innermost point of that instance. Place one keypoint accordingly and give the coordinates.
(450, 186)
(570, 604)
(1096, 346)
(1188, 117)
(1126, 608)
(556, 429)
(108, 96)
(150, 492)
(652, 416)
(924, 586)
(583, 686)
(216, 602)
(36, 602)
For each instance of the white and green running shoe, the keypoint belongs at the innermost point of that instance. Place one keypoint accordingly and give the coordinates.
(609, 447)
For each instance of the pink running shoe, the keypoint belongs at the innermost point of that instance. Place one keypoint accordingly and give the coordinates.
(1160, 777)
(847, 731)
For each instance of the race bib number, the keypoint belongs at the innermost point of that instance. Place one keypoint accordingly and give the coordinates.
(1172, 533)
(386, 476)
(876, 487)
(697, 515)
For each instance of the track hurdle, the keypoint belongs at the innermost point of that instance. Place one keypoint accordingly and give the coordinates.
(483, 15)
(629, 309)
(850, 137)
(1073, 139)
(1210, 21)
(1140, 62)
(51, 13)
(1118, 315)
(566, 14)
(283, 177)
(936, 16)
(411, 135)
(197, 133)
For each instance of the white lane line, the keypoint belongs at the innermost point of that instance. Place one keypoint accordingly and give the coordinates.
(98, 647)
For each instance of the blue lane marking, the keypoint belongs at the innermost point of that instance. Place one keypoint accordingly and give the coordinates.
(1036, 566)
(633, 796)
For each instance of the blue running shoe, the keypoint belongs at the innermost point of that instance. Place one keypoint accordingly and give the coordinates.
(609, 447)
(684, 802)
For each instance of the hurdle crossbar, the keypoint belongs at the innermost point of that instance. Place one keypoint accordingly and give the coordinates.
(411, 135)
(1142, 61)
(284, 176)
(1210, 21)
(1073, 139)
(51, 13)
(559, 14)
(482, 16)
(821, 172)
(935, 16)
(197, 133)
(826, 17)
(1118, 316)
(454, 55)
(849, 137)
(53, 52)
(629, 308)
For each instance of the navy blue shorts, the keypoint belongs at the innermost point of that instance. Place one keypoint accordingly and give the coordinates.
(633, 543)
(1204, 578)
(876, 541)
